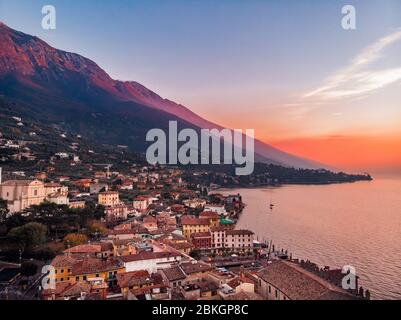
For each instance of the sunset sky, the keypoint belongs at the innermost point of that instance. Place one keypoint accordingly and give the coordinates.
(285, 68)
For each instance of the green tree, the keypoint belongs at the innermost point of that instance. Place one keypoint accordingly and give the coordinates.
(29, 235)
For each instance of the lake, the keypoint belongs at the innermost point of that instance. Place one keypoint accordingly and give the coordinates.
(356, 224)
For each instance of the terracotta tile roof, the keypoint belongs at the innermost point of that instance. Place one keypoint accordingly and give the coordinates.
(174, 273)
(190, 268)
(239, 232)
(148, 256)
(63, 261)
(186, 220)
(122, 231)
(217, 229)
(93, 265)
(85, 248)
(198, 235)
(134, 278)
(297, 283)
(243, 295)
(209, 214)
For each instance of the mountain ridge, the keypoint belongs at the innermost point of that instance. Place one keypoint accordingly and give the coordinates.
(33, 71)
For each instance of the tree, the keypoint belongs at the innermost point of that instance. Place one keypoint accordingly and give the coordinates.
(74, 239)
(28, 269)
(3, 210)
(196, 254)
(29, 235)
(96, 227)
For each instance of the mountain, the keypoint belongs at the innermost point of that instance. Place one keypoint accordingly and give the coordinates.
(72, 91)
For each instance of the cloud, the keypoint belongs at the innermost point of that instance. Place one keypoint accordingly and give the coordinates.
(357, 78)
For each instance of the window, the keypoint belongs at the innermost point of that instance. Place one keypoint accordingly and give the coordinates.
(84, 278)
(276, 293)
(62, 270)
(35, 192)
(270, 289)
(77, 278)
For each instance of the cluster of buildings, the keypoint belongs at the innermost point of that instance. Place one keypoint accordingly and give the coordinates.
(165, 242)
(22, 194)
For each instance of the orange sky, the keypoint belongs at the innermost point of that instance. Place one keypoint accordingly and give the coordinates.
(348, 152)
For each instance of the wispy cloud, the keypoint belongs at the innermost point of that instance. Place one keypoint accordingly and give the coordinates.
(358, 78)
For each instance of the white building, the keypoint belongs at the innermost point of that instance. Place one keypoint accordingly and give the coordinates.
(150, 261)
(219, 209)
(239, 240)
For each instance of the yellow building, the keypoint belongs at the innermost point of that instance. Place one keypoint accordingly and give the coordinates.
(192, 225)
(74, 270)
(90, 268)
(213, 218)
(21, 194)
(63, 268)
(108, 198)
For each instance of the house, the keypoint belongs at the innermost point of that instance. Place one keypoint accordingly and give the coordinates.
(58, 198)
(219, 209)
(116, 212)
(239, 240)
(89, 268)
(134, 280)
(244, 295)
(76, 204)
(52, 188)
(150, 261)
(96, 188)
(202, 240)
(158, 291)
(195, 270)
(218, 238)
(123, 234)
(202, 290)
(126, 185)
(213, 218)
(195, 203)
(98, 250)
(173, 276)
(149, 223)
(62, 267)
(124, 247)
(220, 276)
(141, 203)
(192, 225)
(83, 183)
(93, 289)
(108, 198)
(21, 194)
(285, 280)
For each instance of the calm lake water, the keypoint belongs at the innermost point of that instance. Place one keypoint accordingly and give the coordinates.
(356, 224)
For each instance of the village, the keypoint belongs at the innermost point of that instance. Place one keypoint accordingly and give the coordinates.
(153, 237)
